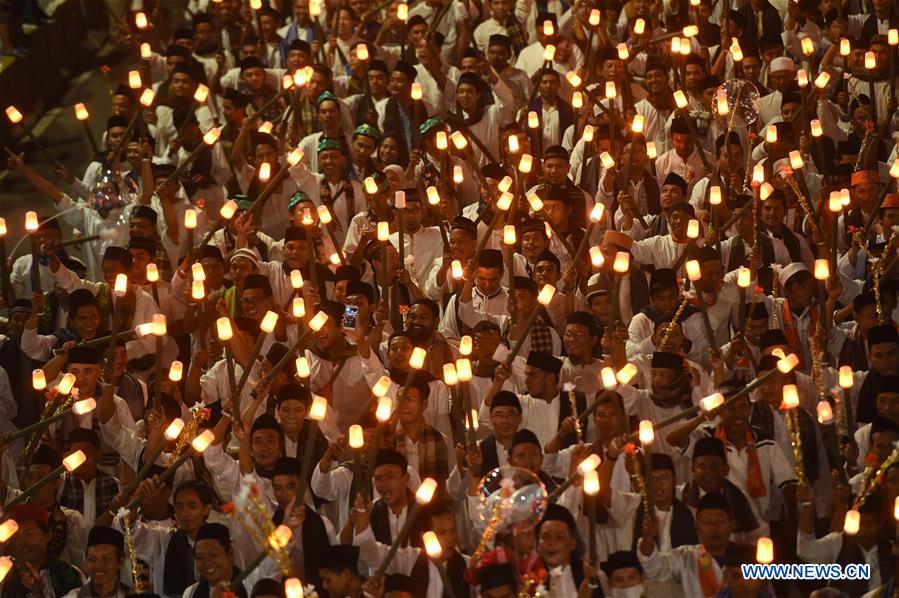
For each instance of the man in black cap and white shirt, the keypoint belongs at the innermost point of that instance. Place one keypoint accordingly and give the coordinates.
(694, 566)
(545, 406)
(105, 556)
(683, 157)
(338, 566)
(136, 307)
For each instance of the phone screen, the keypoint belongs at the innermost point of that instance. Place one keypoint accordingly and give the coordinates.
(349, 316)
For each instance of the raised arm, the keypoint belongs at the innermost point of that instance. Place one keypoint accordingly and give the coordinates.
(17, 163)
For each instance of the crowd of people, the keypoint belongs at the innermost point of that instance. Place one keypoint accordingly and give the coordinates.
(462, 298)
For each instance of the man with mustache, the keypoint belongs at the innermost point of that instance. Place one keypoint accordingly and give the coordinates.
(673, 388)
(82, 324)
(694, 566)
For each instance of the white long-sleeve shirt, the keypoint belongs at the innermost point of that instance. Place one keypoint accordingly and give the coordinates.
(144, 309)
(680, 564)
(827, 549)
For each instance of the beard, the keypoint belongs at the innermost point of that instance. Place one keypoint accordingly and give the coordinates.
(418, 333)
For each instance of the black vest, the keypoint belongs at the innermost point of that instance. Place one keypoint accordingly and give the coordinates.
(683, 528)
(380, 520)
(178, 571)
(736, 500)
(850, 552)
(738, 258)
(762, 416)
(455, 571)
(866, 407)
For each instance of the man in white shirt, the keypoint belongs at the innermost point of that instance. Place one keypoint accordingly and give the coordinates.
(484, 292)
(684, 157)
(696, 566)
(871, 545)
(557, 541)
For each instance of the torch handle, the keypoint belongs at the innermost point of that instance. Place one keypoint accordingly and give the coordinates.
(149, 461)
(400, 538)
(532, 319)
(168, 474)
(307, 460)
(691, 411)
(7, 440)
(237, 582)
(269, 190)
(29, 492)
(282, 362)
(78, 240)
(257, 348)
(232, 383)
(4, 273)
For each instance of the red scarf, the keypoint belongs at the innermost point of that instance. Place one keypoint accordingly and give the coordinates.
(755, 479)
(792, 334)
(705, 570)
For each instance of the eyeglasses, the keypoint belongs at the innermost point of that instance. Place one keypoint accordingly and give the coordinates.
(253, 300)
(570, 334)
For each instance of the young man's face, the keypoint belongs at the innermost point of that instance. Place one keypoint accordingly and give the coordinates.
(527, 456)
(657, 81)
(546, 272)
(255, 302)
(557, 212)
(296, 60)
(488, 280)
(213, 561)
(445, 528)
(329, 114)
(577, 339)
(752, 68)
(141, 227)
(331, 162)
(254, 78)
(377, 82)
(266, 447)
(46, 495)
(285, 488)
(709, 472)
(555, 170)
(682, 144)
(85, 322)
(337, 583)
(190, 512)
(390, 482)
(399, 351)
(399, 84)
(182, 85)
(625, 577)
(555, 543)
(114, 136)
(103, 563)
(411, 406)
(362, 148)
(549, 87)
(665, 300)
(505, 421)
(86, 377)
(462, 245)
(714, 527)
(205, 38)
(29, 544)
(498, 56)
(533, 243)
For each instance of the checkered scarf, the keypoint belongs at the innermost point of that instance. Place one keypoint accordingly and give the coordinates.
(73, 493)
(516, 34)
(433, 461)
